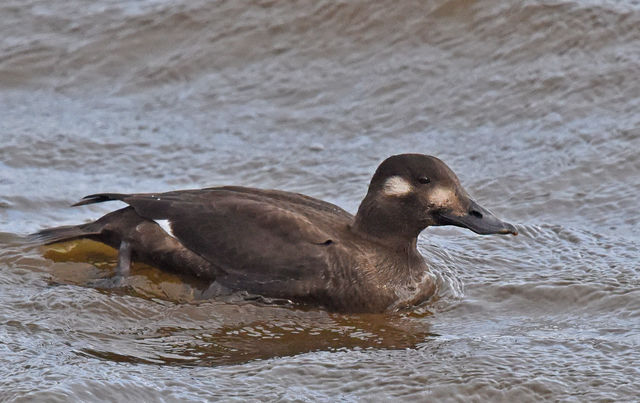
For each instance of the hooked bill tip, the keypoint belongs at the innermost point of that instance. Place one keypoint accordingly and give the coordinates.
(511, 230)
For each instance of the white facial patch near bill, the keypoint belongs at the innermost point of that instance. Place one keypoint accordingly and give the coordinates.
(166, 226)
(441, 197)
(396, 186)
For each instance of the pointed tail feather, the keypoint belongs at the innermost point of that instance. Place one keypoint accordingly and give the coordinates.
(99, 198)
(61, 234)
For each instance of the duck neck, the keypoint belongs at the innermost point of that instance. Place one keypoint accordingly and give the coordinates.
(385, 226)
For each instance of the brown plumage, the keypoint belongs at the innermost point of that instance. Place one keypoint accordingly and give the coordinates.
(287, 245)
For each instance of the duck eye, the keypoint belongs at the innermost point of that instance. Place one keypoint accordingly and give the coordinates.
(424, 180)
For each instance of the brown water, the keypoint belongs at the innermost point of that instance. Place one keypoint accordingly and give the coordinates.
(533, 103)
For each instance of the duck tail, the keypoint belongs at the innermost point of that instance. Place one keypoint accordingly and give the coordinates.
(62, 234)
(71, 232)
(99, 198)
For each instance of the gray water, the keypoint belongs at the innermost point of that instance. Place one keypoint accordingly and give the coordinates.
(534, 104)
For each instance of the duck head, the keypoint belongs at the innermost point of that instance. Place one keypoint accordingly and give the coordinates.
(410, 192)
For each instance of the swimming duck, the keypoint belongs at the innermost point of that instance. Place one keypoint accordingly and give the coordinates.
(287, 245)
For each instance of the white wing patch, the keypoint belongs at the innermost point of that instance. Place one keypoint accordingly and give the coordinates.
(166, 226)
(397, 186)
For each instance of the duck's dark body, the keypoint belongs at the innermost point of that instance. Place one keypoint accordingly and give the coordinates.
(274, 243)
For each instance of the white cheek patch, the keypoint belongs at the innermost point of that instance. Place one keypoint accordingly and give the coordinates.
(441, 197)
(397, 186)
(166, 226)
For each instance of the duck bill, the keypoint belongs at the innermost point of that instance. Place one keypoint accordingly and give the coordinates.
(477, 219)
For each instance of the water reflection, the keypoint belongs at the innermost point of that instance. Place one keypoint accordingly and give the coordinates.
(226, 330)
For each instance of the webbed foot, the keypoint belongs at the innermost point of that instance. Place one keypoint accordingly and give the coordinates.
(119, 280)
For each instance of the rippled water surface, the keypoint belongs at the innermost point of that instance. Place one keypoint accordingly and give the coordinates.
(534, 104)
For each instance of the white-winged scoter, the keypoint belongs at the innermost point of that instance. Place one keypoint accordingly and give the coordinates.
(287, 245)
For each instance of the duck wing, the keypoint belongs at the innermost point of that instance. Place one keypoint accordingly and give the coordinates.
(266, 241)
